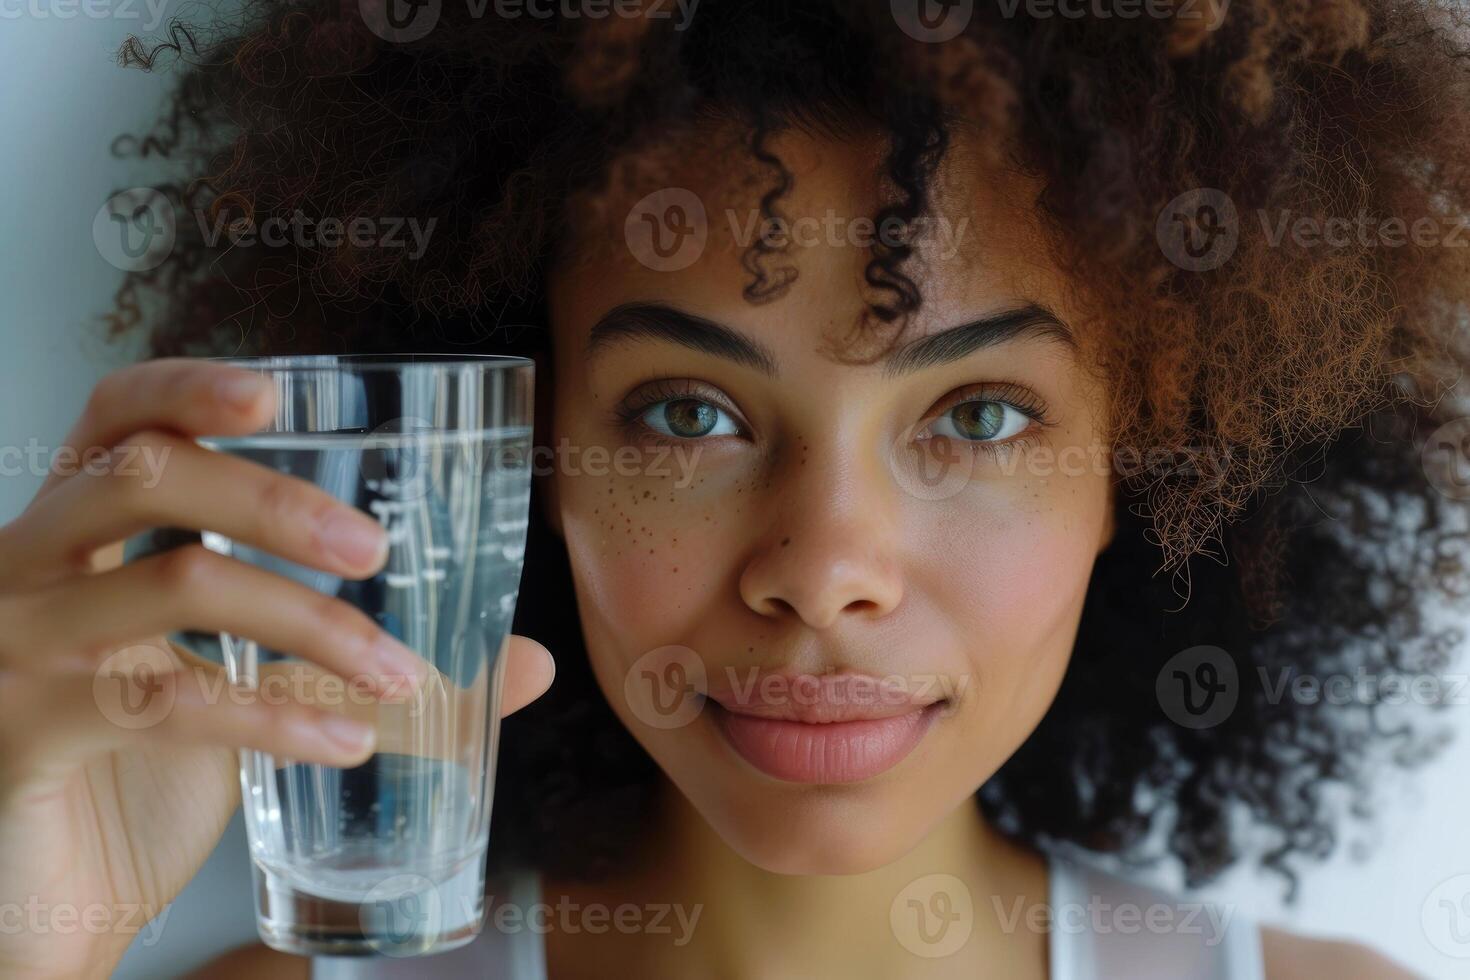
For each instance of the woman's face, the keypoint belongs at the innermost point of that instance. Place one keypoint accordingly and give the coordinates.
(829, 598)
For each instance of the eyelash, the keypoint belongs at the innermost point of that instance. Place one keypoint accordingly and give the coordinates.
(1017, 396)
(628, 413)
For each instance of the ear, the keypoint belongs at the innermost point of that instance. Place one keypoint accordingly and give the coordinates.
(546, 482)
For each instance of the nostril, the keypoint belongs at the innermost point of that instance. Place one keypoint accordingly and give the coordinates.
(776, 606)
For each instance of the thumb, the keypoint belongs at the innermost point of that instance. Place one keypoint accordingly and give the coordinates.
(528, 674)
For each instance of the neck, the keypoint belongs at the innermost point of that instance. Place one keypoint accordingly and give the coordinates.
(897, 920)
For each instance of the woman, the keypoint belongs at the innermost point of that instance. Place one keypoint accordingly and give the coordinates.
(1007, 368)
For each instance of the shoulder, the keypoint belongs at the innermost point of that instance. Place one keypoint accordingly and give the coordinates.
(1222, 940)
(1106, 925)
(249, 962)
(1289, 956)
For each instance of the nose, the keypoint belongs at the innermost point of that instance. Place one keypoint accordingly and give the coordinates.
(831, 550)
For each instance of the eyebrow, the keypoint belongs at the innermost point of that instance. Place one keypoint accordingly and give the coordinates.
(654, 321)
(636, 321)
(1029, 321)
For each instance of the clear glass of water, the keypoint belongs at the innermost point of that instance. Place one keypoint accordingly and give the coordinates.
(389, 857)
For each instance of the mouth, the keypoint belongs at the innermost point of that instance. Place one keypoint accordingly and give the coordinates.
(822, 739)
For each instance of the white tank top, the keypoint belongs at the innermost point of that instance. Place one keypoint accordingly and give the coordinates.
(1102, 927)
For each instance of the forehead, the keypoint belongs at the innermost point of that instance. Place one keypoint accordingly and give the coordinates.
(701, 223)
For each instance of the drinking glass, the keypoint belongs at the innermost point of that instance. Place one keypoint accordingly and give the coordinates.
(389, 857)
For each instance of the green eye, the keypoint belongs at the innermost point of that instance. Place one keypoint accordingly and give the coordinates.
(981, 421)
(687, 418)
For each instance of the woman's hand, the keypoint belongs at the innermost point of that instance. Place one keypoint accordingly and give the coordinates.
(107, 806)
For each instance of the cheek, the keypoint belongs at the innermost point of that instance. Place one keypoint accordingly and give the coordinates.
(649, 558)
(1013, 589)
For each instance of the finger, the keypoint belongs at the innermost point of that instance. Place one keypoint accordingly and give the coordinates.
(529, 671)
(191, 588)
(164, 480)
(401, 727)
(75, 716)
(189, 396)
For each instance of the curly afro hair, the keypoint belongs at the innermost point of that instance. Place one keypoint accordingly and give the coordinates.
(1290, 383)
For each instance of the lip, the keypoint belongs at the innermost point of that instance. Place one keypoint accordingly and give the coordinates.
(824, 752)
(816, 698)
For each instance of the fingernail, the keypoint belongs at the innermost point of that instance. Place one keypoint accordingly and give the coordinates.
(354, 538)
(240, 389)
(348, 735)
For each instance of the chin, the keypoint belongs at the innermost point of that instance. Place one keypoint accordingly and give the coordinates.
(815, 847)
(819, 838)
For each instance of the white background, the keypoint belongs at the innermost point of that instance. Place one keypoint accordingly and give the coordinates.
(62, 98)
